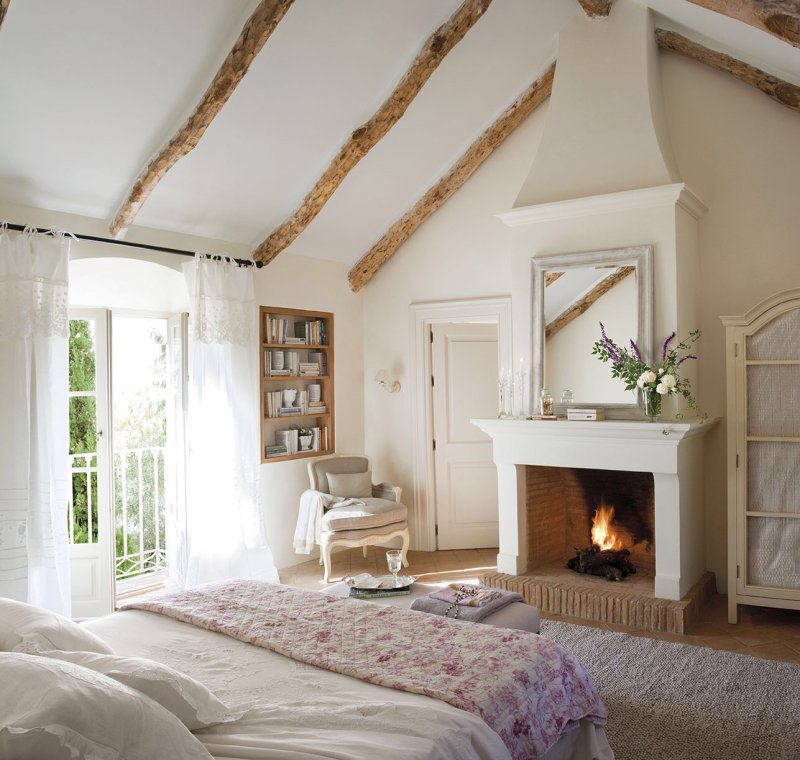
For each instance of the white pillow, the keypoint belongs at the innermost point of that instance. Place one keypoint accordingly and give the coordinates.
(188, 700)
(357, 485)
(43, 628)
(51, 710)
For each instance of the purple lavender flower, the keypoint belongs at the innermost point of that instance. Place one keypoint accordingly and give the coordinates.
(609, 344)
(664, 348)
(636, 352)
(688, 356)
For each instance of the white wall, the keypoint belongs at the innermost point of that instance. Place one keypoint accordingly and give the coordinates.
(302, 283)
(461, 252)
(740, 152)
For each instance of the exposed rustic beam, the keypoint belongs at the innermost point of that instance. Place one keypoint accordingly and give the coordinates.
(436, 47)
(581, 305)
(551, 277)
(596, 7)
(459, 173)
(3, 9)
(780, 18)
(785, 93)
(254, 35)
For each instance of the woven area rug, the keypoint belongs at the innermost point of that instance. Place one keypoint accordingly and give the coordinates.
(678, 702)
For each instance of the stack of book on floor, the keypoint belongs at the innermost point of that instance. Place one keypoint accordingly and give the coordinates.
(584, 414)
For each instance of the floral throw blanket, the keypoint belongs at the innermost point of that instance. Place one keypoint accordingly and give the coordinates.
(526, 688)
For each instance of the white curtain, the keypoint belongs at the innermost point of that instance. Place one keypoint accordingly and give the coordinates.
(34, 419)
(226, 536)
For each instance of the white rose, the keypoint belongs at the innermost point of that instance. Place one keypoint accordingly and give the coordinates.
(662, 389)
(660, 370)
(640, 382)
(648, 377)
(669, 381)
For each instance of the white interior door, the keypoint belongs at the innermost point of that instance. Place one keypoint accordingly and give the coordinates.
(90, 523)
(464, 361)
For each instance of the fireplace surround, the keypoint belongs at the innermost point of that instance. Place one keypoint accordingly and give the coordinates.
(665, 594)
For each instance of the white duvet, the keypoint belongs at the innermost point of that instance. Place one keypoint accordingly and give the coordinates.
(302, 712)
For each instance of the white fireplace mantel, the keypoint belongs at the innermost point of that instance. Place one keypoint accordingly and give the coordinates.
(672, 451)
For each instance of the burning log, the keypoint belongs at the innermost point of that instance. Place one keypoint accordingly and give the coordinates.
(608, 563)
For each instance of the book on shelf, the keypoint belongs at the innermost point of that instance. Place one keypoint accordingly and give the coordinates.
(294, 341)
(320, 358)
(287, 438)
(313, 332)
(288, 411)
(276, 450)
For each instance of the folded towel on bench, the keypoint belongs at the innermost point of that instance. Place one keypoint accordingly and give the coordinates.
(465, 601)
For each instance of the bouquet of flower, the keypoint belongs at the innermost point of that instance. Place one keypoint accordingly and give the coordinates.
(656, 381)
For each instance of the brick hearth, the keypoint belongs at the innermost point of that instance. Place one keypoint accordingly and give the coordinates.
(555, 589)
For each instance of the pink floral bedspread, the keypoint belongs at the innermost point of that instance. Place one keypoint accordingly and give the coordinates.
(526, 688)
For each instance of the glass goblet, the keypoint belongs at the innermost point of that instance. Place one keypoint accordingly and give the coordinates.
(394, 559)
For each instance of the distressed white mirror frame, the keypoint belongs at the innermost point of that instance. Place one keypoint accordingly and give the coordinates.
(641, 258)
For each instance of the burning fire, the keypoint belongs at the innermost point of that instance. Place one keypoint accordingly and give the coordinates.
(603, 534)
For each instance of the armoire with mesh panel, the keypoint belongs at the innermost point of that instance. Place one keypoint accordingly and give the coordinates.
(763, 454)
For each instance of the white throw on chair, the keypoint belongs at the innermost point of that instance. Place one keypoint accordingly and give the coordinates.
(370, 515)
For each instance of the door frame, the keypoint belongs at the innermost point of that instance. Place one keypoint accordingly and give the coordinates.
(494, 309)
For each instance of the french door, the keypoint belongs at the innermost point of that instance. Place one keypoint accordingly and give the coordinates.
(90, 521)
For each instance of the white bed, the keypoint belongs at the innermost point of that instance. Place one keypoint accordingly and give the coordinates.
(299, 711)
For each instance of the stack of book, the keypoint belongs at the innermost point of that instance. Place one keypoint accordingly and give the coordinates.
(377, 593)
(317, 407)
(276, 450)
(309, 368)
(584, 414)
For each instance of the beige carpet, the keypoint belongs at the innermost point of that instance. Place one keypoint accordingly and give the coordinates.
(678, 702)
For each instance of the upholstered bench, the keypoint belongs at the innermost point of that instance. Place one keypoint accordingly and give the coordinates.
(515, 615)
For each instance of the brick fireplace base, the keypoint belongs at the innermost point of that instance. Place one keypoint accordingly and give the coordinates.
(557, 590)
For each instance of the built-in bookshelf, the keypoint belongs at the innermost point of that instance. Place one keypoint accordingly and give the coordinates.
(296, 384)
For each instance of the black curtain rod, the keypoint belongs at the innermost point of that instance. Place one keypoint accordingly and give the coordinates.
(176, 251)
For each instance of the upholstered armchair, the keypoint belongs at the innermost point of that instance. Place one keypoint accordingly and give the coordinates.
(374, 518)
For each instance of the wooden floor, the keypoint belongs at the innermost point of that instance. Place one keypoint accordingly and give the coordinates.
(761, 632)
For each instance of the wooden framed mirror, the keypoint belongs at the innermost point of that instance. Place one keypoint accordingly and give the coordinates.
(572, 294)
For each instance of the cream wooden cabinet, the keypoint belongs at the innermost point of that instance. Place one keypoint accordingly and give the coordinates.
(763, 454)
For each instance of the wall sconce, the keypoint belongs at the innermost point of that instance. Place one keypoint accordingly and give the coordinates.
(390, 386)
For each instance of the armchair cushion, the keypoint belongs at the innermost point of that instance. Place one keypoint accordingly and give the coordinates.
(356, 485)
(370, 513)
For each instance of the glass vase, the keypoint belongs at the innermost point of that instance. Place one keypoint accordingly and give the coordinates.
(650, 403)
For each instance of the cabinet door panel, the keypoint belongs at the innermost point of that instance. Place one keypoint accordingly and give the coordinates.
(773, 552)
(773, 476)
(773, 400)
(777, 340)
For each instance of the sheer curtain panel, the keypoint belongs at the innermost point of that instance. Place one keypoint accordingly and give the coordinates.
(34, 419)
(226, 536)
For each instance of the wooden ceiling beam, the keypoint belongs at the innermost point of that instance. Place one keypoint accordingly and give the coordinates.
(459, 173)
(3, 9)
(436, 47)
(780, 18)
(785, 93)
(583, 304)
(253, 37)
(596, 7)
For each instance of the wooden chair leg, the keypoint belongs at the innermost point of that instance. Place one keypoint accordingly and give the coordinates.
(326, 555)
(406, 542)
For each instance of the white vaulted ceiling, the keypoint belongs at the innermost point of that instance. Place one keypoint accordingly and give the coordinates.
(90, 90)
